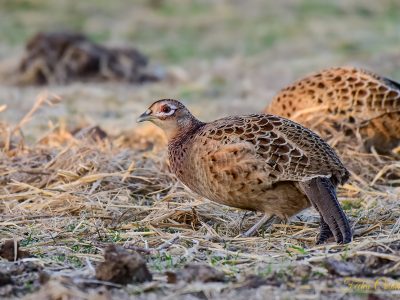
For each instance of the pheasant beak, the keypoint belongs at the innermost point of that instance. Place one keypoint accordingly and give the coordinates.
(146, 116)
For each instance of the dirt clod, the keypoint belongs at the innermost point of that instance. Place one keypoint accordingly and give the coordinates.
(94, 133)
(252, 282)
(342, 268)
(18, 278)
(5, 279)
(7, 251)
(62, 57)
(123, 267)
(196, 272)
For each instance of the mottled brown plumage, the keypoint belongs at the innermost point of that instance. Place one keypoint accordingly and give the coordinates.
(366, 101)
(257, 162)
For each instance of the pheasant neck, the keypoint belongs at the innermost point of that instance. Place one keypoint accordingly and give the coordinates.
(185, 130)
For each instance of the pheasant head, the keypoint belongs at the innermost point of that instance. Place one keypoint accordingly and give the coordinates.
(171, 116)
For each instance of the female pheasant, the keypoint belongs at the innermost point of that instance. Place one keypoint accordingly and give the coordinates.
(345, 95)
(256, 162)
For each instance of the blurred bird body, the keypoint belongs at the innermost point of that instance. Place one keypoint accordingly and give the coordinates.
(344, 96)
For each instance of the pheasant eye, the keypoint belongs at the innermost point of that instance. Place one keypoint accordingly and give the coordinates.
(166, 109)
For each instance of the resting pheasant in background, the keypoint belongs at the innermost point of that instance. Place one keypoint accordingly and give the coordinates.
(257, 162)
(363, 100)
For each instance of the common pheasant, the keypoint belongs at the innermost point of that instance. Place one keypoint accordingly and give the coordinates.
(346, 97)
(256, 162)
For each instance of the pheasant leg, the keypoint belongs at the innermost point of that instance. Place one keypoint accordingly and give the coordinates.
(324, 232)
(321, 193)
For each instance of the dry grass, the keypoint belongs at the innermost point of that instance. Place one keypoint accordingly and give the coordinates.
(65, 198)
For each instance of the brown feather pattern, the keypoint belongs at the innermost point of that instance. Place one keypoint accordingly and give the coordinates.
(257, 162)
(252, 161)
(346, 94)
